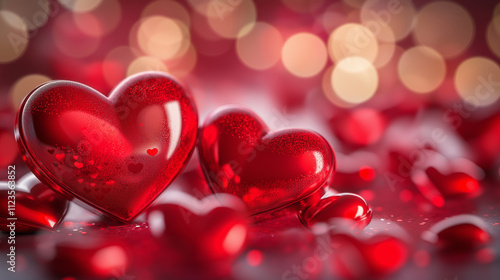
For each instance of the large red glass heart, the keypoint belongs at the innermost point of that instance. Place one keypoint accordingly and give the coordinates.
(115, 154)
(267, 170)
(207, 234)
(36, 206)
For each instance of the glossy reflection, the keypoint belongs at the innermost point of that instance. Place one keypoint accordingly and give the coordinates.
(207, 234)
(265, 169)
(462, 233)
(99, 149)
(361, 257)
(37, 206)
(345, 205)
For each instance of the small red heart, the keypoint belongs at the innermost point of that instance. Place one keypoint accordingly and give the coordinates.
(360, 257)
(36, 206)
(207, 234)
(267, 170)
(462, 233)
(345, 205)
(104, 134)
(152, 152)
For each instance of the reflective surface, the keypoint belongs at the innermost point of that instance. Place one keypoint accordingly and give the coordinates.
(266, 169)
(208, 234)
(345, 205)
(36, 206)
(116, 154)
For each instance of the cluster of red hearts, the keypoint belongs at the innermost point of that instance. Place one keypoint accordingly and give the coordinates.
(115, 155)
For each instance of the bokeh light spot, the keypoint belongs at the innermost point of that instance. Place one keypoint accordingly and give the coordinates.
(446, 27)
(354, 80)
(304, 55)
(476, 81)
(421, 69)
(260, 48)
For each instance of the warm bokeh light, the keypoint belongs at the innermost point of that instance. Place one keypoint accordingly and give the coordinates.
(35, 16)
(386, 51)
(476, 81)
(388, 19)
(184, 65)
(100, 21)
(326, 86)
(24, 86)
(228, 19)
(70, 40)
(446, 27)
(303, 6)
(81, 5)
(162, 37)
(493, 35)
(116, 63)
(354, 80)
(354, 3)
(169, 8)
(352, 39)
(260, 48)
(14, 32)
(421, 69)
(304, 55)
(146, 63)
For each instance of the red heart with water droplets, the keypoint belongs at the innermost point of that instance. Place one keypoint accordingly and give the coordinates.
(78, 141)
(35, 205)
(267, 170)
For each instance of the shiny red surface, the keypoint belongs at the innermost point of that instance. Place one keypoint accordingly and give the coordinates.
(462, 233)
(98, 149)
(208, 234)
(344, 205)
(36, 206)
(360, 257)
(267, 170)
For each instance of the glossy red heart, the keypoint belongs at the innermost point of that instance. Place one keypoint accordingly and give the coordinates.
(344, 205)
(207, 234)
(267, 170)
(360, 257)
(36, 206)
(95, 148)
(462, 233)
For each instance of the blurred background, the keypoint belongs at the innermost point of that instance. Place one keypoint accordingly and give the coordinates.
(405, 91)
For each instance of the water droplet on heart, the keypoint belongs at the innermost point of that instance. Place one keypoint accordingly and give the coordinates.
(92, 184)
(75, 157)
(60, 156)
(91, 162)
(110, 182)
(78, 164)
(80, 181)
(94, 175)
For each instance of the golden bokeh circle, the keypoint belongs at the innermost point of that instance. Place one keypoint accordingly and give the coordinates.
(421, 69)
(446, 27)
(304, 55)
(476, 81)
